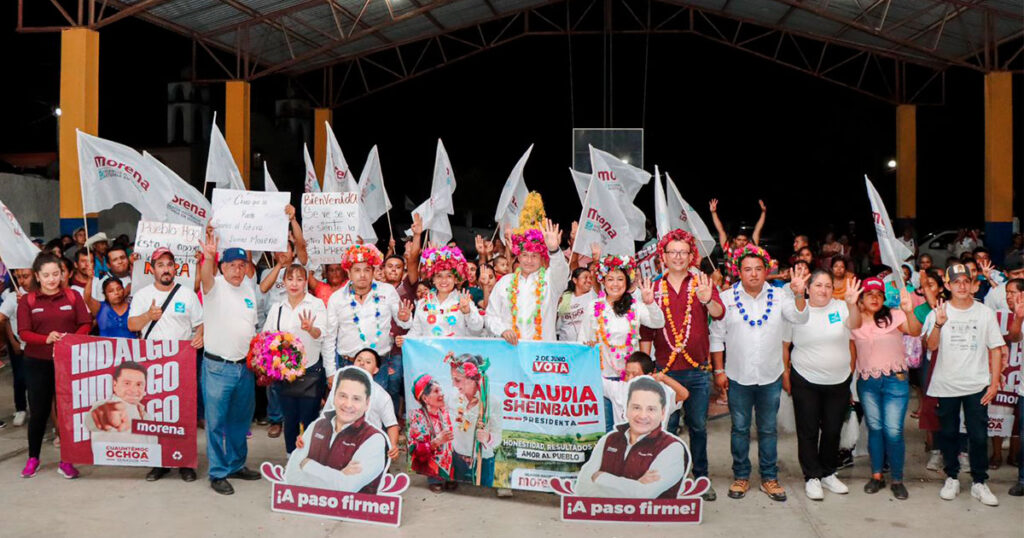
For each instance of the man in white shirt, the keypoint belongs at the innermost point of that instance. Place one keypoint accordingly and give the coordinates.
(637, 460)
(229, 395)
(752, 331)
(359, 315)
(182, 320)
(381, 413)
(966, 377)
(532, 248)
(996, 296)
(26, 282)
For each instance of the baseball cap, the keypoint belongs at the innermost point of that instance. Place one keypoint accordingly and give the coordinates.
(956, 271)
(873, 284)
(160, 252)
(232, 254)
(1014, 263)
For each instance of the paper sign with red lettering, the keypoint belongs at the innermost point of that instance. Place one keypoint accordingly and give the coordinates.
(183, 241)
(126, 402)
(338, 469)
(330, 224)
(637, 472)
(1000, 412)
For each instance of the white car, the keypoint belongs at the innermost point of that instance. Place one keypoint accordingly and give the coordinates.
(937, 245)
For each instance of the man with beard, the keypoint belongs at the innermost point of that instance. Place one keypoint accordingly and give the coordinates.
(167, 311)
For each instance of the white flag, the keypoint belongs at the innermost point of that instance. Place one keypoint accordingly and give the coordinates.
(268, 182)
(444, 177)
(434, 213)
(17, 250)
(624, 182)
(372, 193)
(581, 181)
(221, 169)
(186, 206)
(113, 173)
(312, 184)
(603, 222)
(683, 215)
(892, 251)
(513, 195)
(660, 206)
(337, 176)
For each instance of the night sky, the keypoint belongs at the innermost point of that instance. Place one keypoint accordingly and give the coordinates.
(724, 123)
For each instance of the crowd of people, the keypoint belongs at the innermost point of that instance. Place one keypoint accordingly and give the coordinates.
(828, 325)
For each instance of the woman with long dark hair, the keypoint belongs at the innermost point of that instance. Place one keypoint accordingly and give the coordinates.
(572, 306)
(45, 315)
(882, 383)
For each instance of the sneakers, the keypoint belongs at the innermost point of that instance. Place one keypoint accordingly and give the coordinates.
(739, 488)
(900, 491)
(980, 491)
(2, 424)
(19, 418)
(709, 495)
(874, 485)
(30, 468)
(965, 462)
(813, 489)
(833, 484)
(845, 459)
(774, 490)
(934, 461)
(67, 470)
(1017, 490)
(950, 489)
(274, 431)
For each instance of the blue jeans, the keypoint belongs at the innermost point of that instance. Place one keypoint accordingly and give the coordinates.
(230, 393)
(884, 400)
(695, 415)
(275, 412)
(390, 377)
(464, 470)
(763, 401)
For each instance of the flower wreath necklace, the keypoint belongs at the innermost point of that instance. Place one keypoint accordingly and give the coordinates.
(432, 307)
(616, 352)
(677, 339)
(743, 310)
(376, 313)
(513, 299)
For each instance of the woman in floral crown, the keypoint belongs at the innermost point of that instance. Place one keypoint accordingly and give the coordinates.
(445, 311)
(476, 418)
(613, 320)
(431, 435)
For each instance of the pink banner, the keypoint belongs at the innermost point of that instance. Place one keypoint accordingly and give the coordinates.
(681, 510)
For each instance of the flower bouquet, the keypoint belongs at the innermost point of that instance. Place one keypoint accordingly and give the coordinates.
(275, 356)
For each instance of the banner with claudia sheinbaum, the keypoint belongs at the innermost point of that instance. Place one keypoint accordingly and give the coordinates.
(518, 416)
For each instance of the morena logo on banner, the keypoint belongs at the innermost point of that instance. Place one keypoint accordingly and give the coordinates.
(596, 221)
(106, 162)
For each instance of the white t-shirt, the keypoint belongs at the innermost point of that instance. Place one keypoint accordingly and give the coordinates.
(961, 364)
(382, 409)
(9, 308)
(821, 347)
(229, 319)
(570, 319)
(179, 319)
(618, 392)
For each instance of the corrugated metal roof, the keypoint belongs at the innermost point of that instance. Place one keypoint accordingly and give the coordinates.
(931, 32)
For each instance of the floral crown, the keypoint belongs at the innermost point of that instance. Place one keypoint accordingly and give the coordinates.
(531, 240)
(622, 263)
(466, 368)
(420, 385)
(438, 260)
(732, 261)
(361, 254)
(686, 237)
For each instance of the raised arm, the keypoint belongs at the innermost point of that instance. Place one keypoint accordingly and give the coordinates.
(756, 238)
(412, 252)
(207, 272)
(297, 237)
(723, 238)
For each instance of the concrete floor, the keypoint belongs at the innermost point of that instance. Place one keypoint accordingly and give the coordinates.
(110, 501)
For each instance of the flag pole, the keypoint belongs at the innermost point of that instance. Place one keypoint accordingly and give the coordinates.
(391, 233)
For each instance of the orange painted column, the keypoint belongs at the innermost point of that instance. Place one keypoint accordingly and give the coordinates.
(998, 162)
(79, 107)
(236, 125)
(906, 164)
(320, 116)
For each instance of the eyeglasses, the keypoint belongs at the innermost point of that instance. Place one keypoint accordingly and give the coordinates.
(677, 253)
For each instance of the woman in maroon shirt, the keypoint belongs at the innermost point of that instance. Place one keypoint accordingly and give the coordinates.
(44, 317)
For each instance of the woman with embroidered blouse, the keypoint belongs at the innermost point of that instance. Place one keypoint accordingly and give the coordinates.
(431, 435)
(445, 311)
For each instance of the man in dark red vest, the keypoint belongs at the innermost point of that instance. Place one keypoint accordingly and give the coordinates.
(340, 451)
(637, 460)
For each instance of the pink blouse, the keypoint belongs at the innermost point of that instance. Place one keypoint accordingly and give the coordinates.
(880, 349)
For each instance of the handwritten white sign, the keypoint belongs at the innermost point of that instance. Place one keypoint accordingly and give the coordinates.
(330, 224)
(252, 220)
(182, 240)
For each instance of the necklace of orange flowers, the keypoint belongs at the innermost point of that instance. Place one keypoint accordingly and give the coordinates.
(513, 298)
(678, 339)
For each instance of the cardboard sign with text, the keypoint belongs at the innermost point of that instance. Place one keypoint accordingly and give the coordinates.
(126, 402)
(1000, 412)
(330, 224)
(183, 241)
(251, 220)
